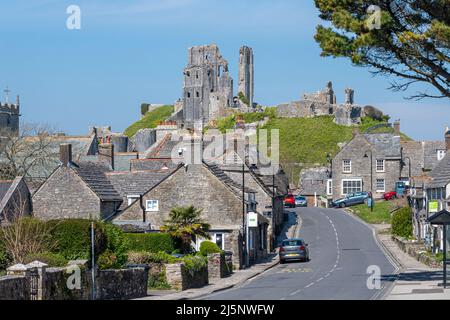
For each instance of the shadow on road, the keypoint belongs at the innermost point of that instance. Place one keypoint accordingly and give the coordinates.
(290, 221)
(414, 276)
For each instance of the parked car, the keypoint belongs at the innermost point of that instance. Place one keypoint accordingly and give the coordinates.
(390, 195)
(294, 249)
(351, 200)
(289, 201)
(301, 201)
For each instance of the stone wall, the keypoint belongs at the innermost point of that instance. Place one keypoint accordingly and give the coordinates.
(142, 140)
(179, 278)
(53, 283)
(418, 251)
(219, 266)
(14, 288)
(121, 284)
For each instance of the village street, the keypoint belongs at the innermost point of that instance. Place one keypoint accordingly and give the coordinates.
(342, 250)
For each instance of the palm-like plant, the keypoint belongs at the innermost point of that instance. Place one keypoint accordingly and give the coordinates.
(184, 223)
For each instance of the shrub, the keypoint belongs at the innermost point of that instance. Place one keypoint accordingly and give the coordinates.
(402, 223)
(5, 258)
(208, 247)
(195, 263)
(50, 258)
(150, 242)
(108, 260)
(72, 238)
(142, 257)
(116, 246)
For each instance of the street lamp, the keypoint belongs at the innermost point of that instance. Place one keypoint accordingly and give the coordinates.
(371, 177)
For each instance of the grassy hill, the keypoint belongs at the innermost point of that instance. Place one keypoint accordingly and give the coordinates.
(150, 120)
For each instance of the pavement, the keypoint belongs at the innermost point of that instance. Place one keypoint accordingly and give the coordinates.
(238, 277)
(343, 252)
(415, 280)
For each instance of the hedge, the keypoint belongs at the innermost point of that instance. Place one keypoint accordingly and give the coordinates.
(72, 238)
(402, 223)
(151, 242)
(208, 247)
(4, 257)
(49, 258)
(115, 255)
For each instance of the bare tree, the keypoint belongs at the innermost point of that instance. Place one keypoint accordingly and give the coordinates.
(21, 234)
(26, 151)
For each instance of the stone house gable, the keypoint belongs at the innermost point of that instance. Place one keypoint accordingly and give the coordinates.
(192, 185)
(15, 199)
(359, 178)
(65, 195)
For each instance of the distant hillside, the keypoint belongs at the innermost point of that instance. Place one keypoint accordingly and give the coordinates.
(150, 120)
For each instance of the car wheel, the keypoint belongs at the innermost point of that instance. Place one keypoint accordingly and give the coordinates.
(281, 261)
(342, 205)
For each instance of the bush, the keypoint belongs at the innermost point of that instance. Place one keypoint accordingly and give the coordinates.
(116, 247)
(151, 242)
(208, 247)
(5, 259)
(72, 238)
(52, 259)
(195, 263)
(402, 223)
(142, 257)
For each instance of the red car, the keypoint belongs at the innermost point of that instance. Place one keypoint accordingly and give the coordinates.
(289, 201)
(390, 195)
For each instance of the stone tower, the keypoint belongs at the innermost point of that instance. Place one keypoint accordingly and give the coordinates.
(246, 74)
(9, 116)
(208, 87)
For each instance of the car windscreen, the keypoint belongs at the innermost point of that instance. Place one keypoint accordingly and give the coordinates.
(292, 243)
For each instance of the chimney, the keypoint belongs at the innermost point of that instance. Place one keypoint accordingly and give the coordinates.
(106, 154)
(447, 139)
(65, 154)
(397, 128)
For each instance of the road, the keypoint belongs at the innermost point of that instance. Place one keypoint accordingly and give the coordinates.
(341, 250)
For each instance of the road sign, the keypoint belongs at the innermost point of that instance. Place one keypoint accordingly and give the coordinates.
(252, 220)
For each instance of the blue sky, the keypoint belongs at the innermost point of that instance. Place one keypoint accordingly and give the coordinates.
(134, 51)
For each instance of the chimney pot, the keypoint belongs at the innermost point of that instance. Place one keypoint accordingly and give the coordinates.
(65, 154)
(447, 139)
(397, 128)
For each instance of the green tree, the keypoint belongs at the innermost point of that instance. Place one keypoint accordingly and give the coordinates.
(184, 224)
(409, 39)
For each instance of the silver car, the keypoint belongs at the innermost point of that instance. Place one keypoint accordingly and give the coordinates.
(294, 249)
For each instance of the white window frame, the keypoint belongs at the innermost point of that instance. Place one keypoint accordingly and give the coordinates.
(223, 239)
(383, 165)
(329, 187)
(351, 180)
(132, 198)
(347, 166)
(153, 208)
(384, 185)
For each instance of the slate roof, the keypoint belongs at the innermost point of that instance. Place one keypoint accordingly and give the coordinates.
(136, 182)
(122, 161)
(441, 173)
(222, 176)
(94, 175)
(385, 144)
(423, 155)
(4, 187)
(163, 149)
(155, 164)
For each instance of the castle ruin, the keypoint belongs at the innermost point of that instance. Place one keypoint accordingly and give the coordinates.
(246, 84)
(324, 103)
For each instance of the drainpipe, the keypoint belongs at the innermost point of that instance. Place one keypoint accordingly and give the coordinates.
(141, 203)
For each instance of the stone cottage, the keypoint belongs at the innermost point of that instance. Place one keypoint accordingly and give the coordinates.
(78, 189)
(315, 183)
(369, 162)
(210, 189)
(15, 200)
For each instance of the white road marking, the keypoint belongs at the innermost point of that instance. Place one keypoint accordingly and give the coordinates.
(338, 257)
